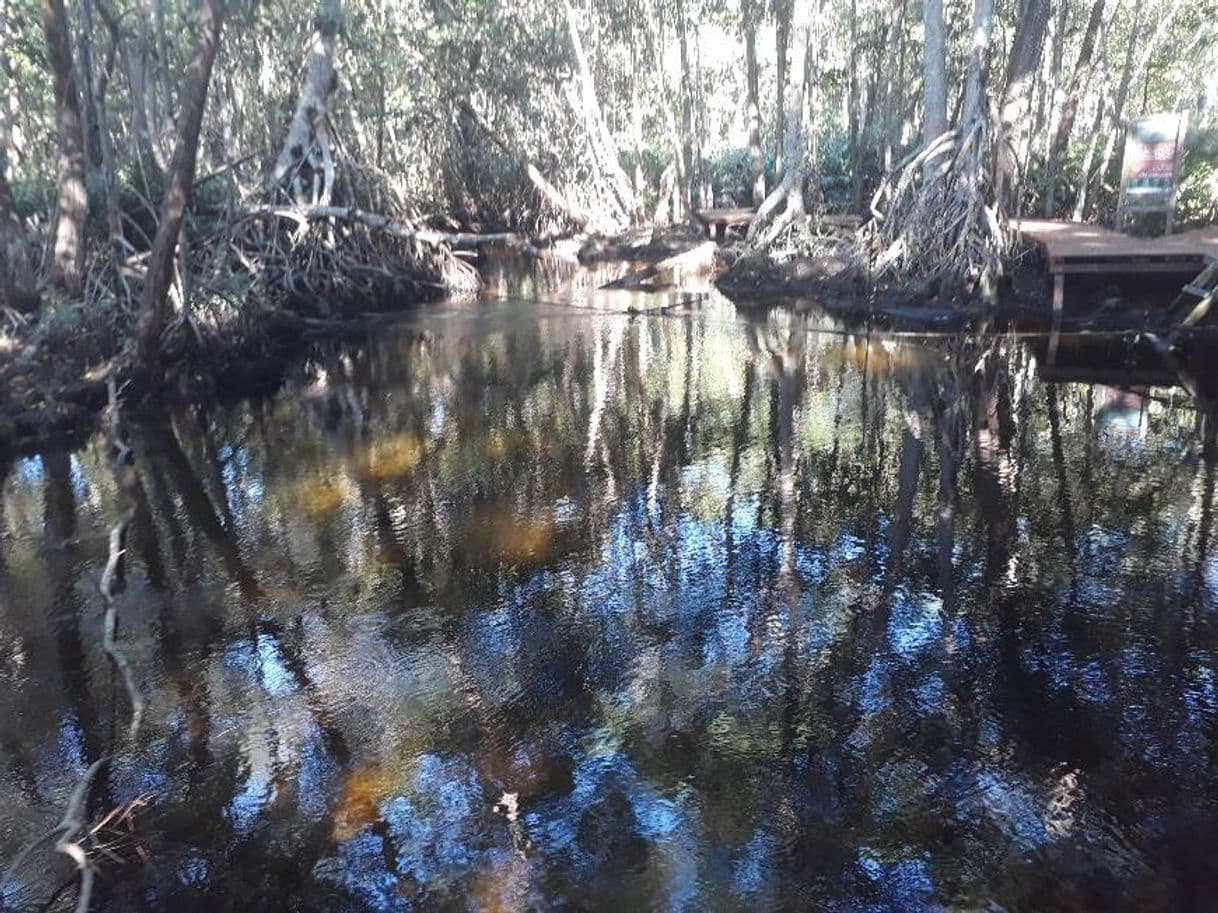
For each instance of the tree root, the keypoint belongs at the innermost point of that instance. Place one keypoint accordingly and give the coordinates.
(932, 219)
(72, 836)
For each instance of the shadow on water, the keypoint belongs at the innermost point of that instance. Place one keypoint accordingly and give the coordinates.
(542, 601)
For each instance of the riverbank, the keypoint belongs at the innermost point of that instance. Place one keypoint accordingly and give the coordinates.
(53, 370)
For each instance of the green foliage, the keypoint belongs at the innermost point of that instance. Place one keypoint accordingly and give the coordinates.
(33, 195)
(1198, 200)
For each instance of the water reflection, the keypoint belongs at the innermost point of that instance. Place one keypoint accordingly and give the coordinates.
(555, 605)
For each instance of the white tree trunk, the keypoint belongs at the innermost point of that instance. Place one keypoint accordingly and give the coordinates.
(934, 72)
(761, 231)
(305, 166)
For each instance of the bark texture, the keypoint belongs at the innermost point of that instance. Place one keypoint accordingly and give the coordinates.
(765, 227)
(748, 12)
(934, 71)
(17, 286)
(1016, 105)
(68, 240)
(1069, 111)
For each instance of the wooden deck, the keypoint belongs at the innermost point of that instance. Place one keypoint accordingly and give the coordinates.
(1074, 247)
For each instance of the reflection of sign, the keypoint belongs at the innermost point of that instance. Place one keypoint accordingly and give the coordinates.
(1152, 153)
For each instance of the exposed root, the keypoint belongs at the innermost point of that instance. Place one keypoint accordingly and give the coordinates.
(931, 219)
(344, 253)
(73, 835)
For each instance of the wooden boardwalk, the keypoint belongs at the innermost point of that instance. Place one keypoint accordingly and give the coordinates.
(1074, 247)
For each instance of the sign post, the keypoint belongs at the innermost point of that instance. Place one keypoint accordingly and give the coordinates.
(1151, 169)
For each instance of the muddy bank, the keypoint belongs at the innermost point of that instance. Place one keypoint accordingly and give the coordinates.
(53, 377)
(829, 283)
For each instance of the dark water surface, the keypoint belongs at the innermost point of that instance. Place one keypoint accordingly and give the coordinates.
(529, 605)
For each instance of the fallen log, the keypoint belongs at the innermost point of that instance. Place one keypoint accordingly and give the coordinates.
(700, 259)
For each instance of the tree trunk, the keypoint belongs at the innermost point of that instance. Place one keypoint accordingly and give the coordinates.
(853, 113)
(68, 244)
(636, 114)
(179, 182)
(934, 72)
(305, 166)
(17, 287)
(1016, 104)
(687, 110)
(1074, 92)
(681, 190)
(748, 12)
(972, 108)
(599, 138)
(764, 227)
(782, 35)
(92, 120)
(137, 80)
(1048, 106)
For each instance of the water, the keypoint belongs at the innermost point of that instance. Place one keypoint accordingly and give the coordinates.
(534, 604)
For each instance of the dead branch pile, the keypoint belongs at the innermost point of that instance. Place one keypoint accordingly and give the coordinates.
(931, 217)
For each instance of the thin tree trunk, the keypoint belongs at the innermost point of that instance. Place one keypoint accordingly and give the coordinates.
(137, 79)
(1045, 117)
(68, 243)
(687, 111)
(92, 121)
(636, 114)
(1074, 92)
(599, 137)
(934, 72)
(853, 112)
(305, 165)
(748, 12)
(681, 190)
(973, 106)
(180, 180)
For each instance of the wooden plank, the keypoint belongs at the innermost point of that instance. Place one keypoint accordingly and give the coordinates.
(1075, 241)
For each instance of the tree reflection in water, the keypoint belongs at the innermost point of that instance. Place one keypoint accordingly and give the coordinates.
(529, 605)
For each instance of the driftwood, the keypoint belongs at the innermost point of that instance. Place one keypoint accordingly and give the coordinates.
(700, 259)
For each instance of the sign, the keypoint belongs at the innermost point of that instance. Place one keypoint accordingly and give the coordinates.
(1149, 176)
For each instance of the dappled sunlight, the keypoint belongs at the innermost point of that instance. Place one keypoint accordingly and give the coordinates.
(386, 459)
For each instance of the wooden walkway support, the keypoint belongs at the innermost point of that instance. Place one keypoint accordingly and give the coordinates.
(718, 221)
(1074, 248)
